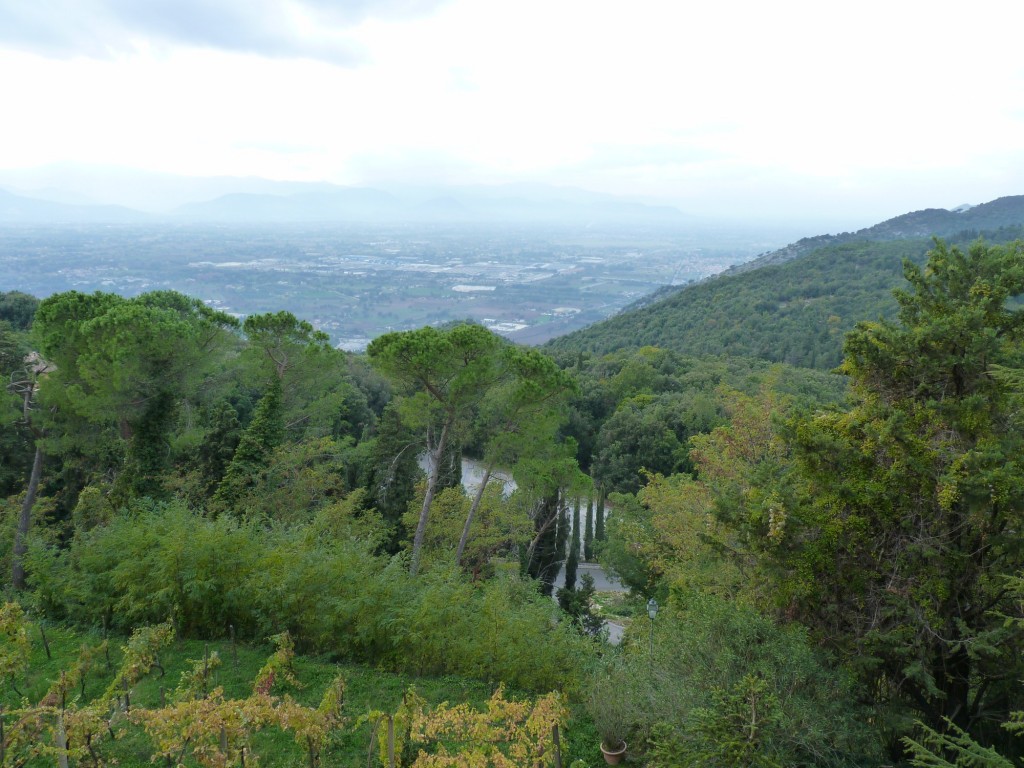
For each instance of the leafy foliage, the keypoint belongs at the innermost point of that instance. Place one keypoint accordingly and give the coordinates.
(735, 689)
(14, 648)
(446, 373)
(904, 542)
(209, 573)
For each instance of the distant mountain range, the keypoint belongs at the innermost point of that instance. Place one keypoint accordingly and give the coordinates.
(795, 304)
(374, 205)
(132, 196)
(16, 209)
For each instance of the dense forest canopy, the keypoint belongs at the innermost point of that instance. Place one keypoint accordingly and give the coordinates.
(837, 552)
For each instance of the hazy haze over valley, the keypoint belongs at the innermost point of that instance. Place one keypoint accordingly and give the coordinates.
(356, 281)
(383, 165)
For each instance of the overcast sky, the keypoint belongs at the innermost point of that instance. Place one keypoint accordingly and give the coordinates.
(747, 108)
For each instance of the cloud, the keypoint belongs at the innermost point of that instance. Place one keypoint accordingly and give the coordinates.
(312, 29)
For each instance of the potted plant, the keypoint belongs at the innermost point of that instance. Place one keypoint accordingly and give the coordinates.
(608, 700)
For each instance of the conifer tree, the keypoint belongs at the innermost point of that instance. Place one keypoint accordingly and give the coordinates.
(445, 374)
(263, 435)
(562, 539)
(543, 559)
(573, 560)
(901, 527)
(588, 534)
(219, 444)
(393, 471)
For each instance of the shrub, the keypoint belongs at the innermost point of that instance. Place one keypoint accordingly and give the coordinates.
(320, 582)
(716, 668)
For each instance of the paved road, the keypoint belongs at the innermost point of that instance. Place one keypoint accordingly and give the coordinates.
(603, 582)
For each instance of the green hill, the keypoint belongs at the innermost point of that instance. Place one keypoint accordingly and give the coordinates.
(795, 305)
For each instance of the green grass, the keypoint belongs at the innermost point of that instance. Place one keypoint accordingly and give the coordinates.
(367, 689)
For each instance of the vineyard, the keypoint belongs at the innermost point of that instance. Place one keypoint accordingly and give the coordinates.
(72, 699)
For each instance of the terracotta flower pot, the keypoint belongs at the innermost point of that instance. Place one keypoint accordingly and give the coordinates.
(614, 755)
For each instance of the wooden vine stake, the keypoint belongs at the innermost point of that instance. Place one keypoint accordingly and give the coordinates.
(373, 743)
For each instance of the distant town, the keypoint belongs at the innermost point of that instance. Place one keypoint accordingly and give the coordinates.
(356, 282)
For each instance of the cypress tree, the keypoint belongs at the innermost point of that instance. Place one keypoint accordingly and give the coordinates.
(588, 534)
(599, 520)
(146, 458)
(577, 534)
(562, 539)
(572, 561)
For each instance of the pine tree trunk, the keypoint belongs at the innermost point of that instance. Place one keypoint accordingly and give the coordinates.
(472, 513)
(428, 499)
(24, 521)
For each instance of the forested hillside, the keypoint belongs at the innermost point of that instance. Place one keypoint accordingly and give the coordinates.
(962, 223)
(795, 312)
(831, 561)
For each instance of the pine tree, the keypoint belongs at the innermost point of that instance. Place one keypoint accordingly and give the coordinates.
(544, 561)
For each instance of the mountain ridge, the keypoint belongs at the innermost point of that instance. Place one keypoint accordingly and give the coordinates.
(795, 304)
(927, 222)
(318, 202)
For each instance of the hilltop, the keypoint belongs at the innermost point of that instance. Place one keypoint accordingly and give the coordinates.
(926, 223)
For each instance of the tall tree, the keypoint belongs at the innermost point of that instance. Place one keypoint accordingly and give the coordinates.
(16, 440)
(443, 374)
(126, 363)
(393, 470)
(543, 558)
(519, 418)
(588, 535)
(262, 436)
(573, 560)
(903, 529)
(318, 398)
(26, 384)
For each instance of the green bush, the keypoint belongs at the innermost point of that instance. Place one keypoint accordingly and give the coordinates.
(160, 561)
(726, 686)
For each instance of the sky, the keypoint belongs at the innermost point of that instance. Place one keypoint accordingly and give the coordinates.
(744, 108)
